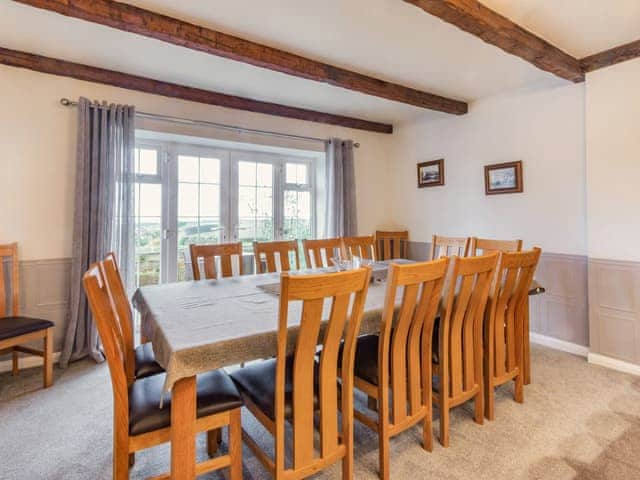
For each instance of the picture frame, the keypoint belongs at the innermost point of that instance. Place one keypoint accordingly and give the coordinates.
(431, 174)
(503, 178)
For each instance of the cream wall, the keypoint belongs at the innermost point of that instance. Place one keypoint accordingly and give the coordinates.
(542, 127)
(37, 169)
(613, 161)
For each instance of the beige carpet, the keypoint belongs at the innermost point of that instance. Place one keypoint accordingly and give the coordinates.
(578, 421)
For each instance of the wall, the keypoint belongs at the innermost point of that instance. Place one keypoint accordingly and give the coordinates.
(37, 170)
(613, 198)
(543, 127)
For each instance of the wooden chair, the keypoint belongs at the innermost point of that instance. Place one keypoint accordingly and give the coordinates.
(15, 329)
(390, 245)
(447, 246)
(398, 349)
(484, 245)
(138, 420)
(225, 251)
(141, 361)
(363, 247)
(269, 250)
(285, 388)
(458, 364)
(504, 325)
(318, 253)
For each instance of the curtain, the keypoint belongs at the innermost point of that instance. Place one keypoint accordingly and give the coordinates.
(340, 209)
(103, 215)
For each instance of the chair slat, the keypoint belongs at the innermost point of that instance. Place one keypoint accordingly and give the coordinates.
(225, 251)
(319, 248)
(440, 246)
(392, 244)
(269, 250)
(363, 247)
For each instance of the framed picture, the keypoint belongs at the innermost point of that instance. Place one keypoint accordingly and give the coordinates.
(431, 174)
(503, 178)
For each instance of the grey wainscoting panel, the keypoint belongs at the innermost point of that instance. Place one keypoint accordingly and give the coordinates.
(44, 293)
(614, 309)
(561, 312)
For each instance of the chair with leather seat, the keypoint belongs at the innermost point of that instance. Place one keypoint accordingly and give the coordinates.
(505, 323)
(447, 246)
(318, 252)
(139, 421)
(391, 366)
(390, 244)
(141, 361)
(277, 256)
(285, 389)
(15, 329)
(459, 370)
(225, 252)
(363, 247)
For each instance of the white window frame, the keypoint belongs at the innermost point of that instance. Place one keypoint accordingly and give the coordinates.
(168, 153)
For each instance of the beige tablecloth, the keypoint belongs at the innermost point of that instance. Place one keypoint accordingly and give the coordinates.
(203, 325)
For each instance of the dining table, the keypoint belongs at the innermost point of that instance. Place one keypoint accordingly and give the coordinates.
(198, 326)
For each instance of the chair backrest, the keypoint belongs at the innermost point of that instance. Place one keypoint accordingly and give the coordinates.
(269, 251)
(318, 253)
(209, 253)
(118, 293)
(340, 290)
(447, 246)
(504, 326)
(9, 291)
(106, 319)
(460, 331)
(485, 245)
(390, 245)
(404, 338)
(363, 247)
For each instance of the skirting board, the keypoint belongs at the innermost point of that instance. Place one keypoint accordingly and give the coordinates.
(614, 363)
(561, 345)
(27, 361)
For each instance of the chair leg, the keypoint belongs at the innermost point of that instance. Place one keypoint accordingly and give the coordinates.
(383, 441)
(519, 388)
(235, 445)
(14, 366)
(444, 424)
(478, 414)
(48, 358)
(121, 461)
(132, 459)
(489, 400)
(427, 431)
(372, 404)
(214, 438)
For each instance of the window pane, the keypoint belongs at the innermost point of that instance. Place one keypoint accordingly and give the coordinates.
(148, 162)
(147, 245)
(264, 202)
(247, 202)
(209, 200)
(148, 199)
(265, 175)
(187, 169)
(247, 173)
(188, 200)
(297, 214)
(297, 173)
(209, 170)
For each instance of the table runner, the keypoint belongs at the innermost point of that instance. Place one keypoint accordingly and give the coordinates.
(199, 326)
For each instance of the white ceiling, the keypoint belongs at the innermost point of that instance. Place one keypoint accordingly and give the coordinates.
(388, 39)
(579, 27)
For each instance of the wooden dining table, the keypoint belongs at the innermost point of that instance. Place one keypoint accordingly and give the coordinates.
(199, 326)
(204, 325)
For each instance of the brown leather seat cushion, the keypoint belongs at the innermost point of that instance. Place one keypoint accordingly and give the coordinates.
(15, 326)
(146, 364)
(258, 382)
(216, 393)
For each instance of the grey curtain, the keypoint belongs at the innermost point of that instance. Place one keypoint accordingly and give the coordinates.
(103, 216)
(340, 209)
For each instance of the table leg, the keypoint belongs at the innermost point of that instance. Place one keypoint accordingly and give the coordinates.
(526, 351)
(183, 426)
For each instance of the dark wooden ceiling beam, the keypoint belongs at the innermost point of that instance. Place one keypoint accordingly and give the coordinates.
(172, 30)
(148, 85)
(612, 56)
(473, 17)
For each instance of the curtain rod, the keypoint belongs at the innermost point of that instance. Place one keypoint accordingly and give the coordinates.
(186, 121)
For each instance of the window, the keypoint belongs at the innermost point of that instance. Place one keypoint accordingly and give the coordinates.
(194, 194)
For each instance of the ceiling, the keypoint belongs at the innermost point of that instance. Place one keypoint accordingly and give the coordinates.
(388, 39)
